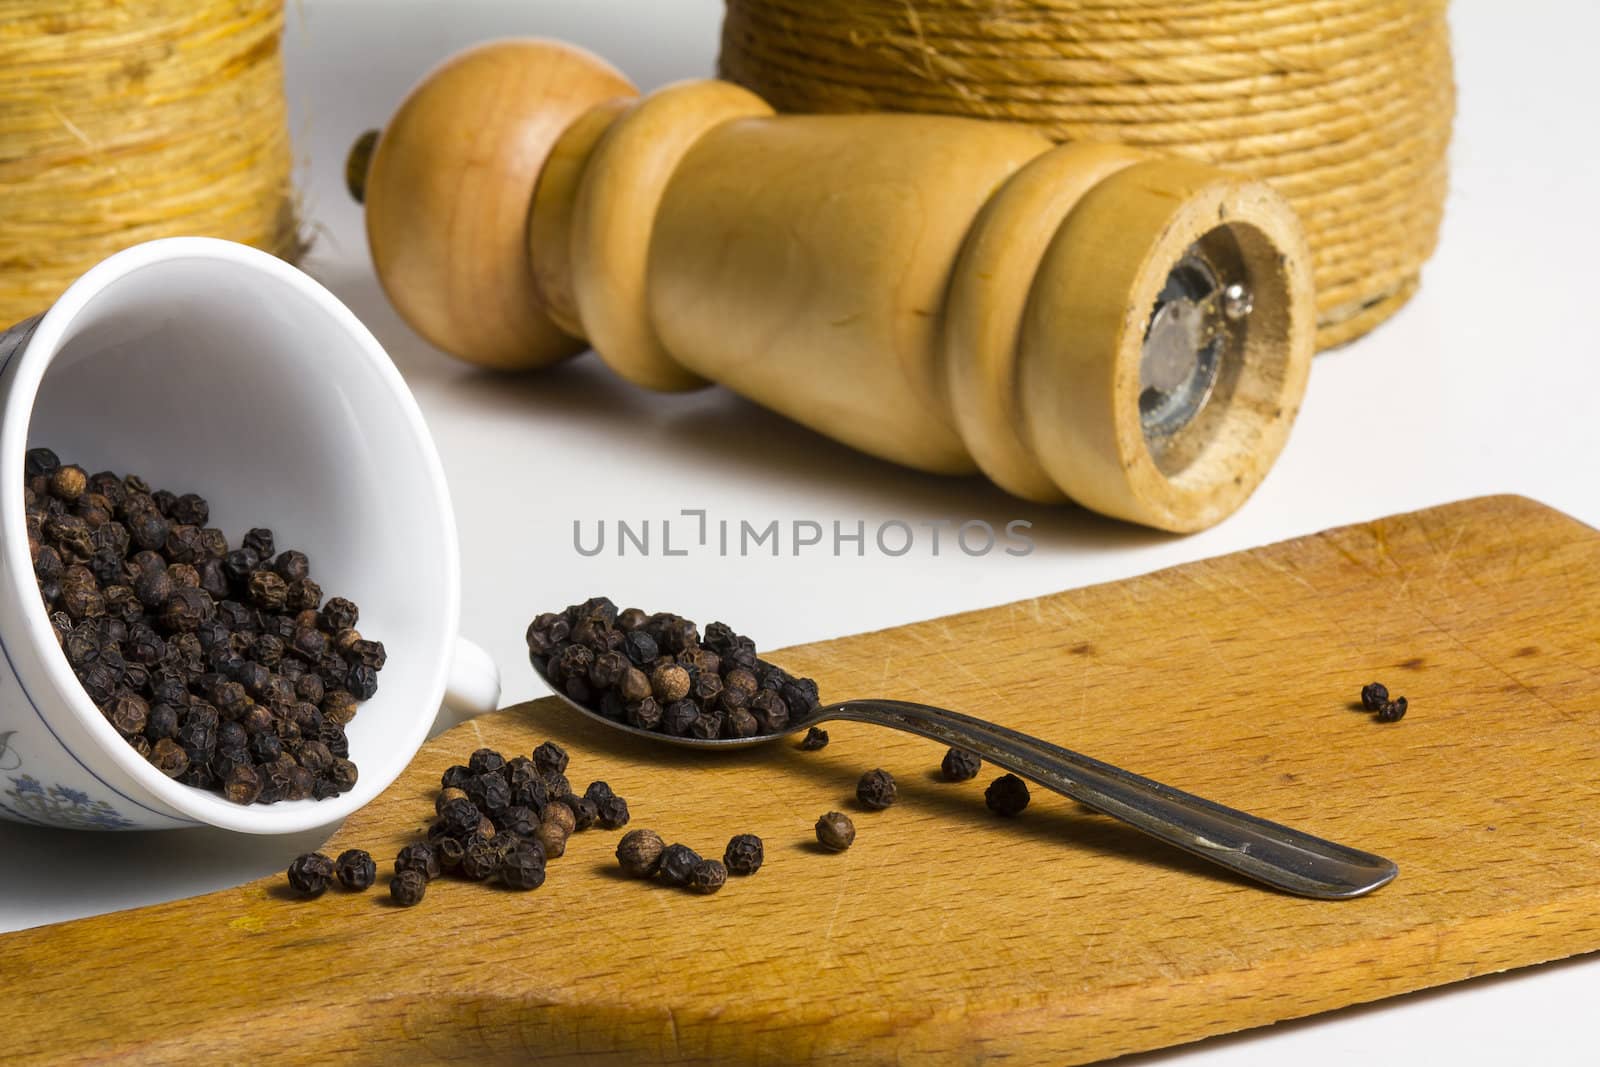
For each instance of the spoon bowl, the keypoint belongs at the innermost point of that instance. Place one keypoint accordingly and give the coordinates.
(1267, 852)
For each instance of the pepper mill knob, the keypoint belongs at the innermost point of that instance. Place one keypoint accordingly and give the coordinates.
(1083, 322)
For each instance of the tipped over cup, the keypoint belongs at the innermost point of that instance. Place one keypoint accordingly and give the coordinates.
(206, 366)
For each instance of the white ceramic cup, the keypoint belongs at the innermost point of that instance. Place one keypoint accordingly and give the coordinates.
(206, 366)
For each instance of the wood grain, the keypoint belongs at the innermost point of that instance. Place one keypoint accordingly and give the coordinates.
(946, 935)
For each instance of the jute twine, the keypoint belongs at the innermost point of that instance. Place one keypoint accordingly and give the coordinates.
(126, 120)
(1343, 105)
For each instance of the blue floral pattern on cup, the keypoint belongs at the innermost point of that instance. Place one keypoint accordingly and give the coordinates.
(58, 805)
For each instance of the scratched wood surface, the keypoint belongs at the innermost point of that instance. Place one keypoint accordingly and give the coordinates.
(946, 935)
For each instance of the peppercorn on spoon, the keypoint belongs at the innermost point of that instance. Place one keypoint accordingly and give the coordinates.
(1268, 852)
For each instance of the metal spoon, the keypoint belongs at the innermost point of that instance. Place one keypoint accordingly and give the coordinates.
(1268, 852)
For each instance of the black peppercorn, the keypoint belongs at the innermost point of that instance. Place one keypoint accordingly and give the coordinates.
(292, 566)
(876, 790)
(356, 869)
(408, 888)
(260, 542)
(418, 857)
(959, 765)
(816, 738)
(612, 812)
(523, 867)
(186, 608)
(584, 812)
(338, 614)
(835, 831)
(450, 852)
(643, 714)
(479, 859)
(739, 723)
(191, 510)
(362, 681)
(1374, 695)
(556, 786)
(550, 758)
(39, 461)
(679, 718)
(489, 792)
(707, 725)
(640, 648)
(1392, 710)
(486, 761)
(708, 876)
(169, 758)
(639, 853)
(520, 820)
(677, 864)
(770, 712)
(744, 854)
(267, 591)
(242, 784)
(129, 713)
(309, 874)
(1007, 795)
(343, 774)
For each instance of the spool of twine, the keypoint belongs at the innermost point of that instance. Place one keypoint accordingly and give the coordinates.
(1344, 106)
(125, 121)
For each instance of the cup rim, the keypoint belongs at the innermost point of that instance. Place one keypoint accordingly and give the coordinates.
(197, 805)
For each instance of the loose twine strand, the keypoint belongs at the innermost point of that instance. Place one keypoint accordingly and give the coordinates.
(1344, 106)
(127, 120)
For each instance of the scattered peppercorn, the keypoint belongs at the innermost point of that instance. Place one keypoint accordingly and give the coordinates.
(1375, 698)
(708, 876)
(408, 888)
(550, 758)
(559, 813)
(835, 831)
(1392, 710)
(522, 867)
(660, 673)
(418, 857)
(355, 869)
(309, 874)
(876, 790)
(584, 812)
(612, 812)
(816, 738)
(639, 853)
(744, 854)
(677, 864)
(553, 837)
(212, 663)
(959, 765)
(1007, 795)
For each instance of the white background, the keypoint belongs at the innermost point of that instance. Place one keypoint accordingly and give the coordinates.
(1484, 384)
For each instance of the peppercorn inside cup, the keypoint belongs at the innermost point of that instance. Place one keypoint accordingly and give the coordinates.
(222, 664)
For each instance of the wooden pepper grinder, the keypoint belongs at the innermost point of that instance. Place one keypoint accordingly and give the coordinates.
(1083, 322)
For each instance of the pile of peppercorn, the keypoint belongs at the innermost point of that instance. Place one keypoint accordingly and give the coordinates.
(497, 820)
(659, 673)
(221, 666)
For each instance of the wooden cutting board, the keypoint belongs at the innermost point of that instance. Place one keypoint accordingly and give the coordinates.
(946, 934)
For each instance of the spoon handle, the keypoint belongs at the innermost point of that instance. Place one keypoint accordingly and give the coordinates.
(1282, 857)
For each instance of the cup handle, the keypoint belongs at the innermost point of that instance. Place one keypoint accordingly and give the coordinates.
(472, 689)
